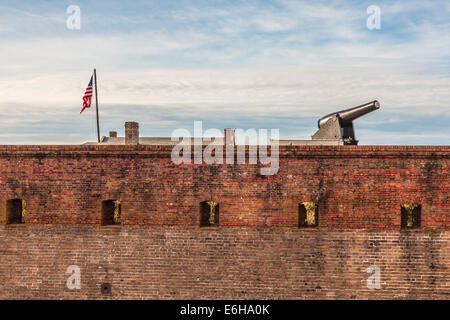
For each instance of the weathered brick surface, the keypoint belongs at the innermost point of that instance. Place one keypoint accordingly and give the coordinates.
(257, 252)
(356, 186)
(154, 262)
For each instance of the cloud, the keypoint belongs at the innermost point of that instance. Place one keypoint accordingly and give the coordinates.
(291, 99)
(278, 64)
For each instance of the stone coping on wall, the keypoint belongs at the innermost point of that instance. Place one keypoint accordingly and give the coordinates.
(162, 151)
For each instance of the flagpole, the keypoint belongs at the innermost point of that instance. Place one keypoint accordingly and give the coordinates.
(96, 106)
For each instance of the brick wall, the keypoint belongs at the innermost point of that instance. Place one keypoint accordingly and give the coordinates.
(154, 262)
(355, 186)
(257, 252)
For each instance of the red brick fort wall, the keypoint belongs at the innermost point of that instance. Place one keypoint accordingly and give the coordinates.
(257, 251)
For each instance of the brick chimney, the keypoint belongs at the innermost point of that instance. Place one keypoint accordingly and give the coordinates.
(113, 134)
(228, 137)
(132, 133)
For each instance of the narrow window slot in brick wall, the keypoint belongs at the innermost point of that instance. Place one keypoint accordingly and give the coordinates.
(111, 212)
(308, 215)
(410, 216)
(209, 214)
(14, 211)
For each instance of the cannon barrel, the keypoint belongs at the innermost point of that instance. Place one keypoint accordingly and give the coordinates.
(351, 114)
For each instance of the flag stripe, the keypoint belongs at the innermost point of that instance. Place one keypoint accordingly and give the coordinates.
(87, 98)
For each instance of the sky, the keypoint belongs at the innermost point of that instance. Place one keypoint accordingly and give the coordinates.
(279, 64)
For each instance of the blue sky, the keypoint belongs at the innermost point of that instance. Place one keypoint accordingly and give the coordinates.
(243, 64)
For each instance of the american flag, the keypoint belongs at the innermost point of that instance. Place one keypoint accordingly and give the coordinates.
(87, 96)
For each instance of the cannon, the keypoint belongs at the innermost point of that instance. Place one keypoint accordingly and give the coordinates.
(339, 125)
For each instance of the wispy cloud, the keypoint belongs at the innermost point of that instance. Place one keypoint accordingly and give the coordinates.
(275, 64)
